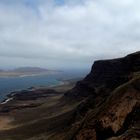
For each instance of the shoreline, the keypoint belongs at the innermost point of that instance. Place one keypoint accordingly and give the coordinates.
(60, 86)
(7, 99)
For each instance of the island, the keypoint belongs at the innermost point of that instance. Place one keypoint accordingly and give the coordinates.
(26, 71)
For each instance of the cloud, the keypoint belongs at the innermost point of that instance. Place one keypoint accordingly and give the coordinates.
(68, 33)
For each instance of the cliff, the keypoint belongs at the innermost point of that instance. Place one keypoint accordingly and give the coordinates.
(106, 75)
(111, 94)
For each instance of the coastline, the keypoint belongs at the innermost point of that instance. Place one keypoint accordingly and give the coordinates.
(7, 98)
(61, 86)
(11, 84)
(6, 101)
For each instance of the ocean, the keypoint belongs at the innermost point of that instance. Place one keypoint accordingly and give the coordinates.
(10, 84)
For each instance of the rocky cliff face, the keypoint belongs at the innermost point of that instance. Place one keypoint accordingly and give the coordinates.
(111, 92)
(106, 75)
(117, 118)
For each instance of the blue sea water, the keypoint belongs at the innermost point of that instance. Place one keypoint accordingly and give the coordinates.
(11, 84)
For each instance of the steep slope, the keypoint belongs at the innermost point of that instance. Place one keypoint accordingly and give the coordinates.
(111, 96)
(118, 117)
(106, 75)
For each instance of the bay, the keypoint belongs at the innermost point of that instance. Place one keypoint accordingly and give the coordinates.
(10, 84)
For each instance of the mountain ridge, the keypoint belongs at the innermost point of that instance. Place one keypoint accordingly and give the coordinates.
(108, 73)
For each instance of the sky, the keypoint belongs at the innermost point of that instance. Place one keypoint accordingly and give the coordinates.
(68, 34)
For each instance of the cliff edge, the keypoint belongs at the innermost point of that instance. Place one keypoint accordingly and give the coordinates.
(111, 94)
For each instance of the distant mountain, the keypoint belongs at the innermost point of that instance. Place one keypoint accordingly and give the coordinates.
(30, 69)
(26, 71)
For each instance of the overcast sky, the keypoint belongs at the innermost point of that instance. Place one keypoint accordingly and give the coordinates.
(67, 33)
